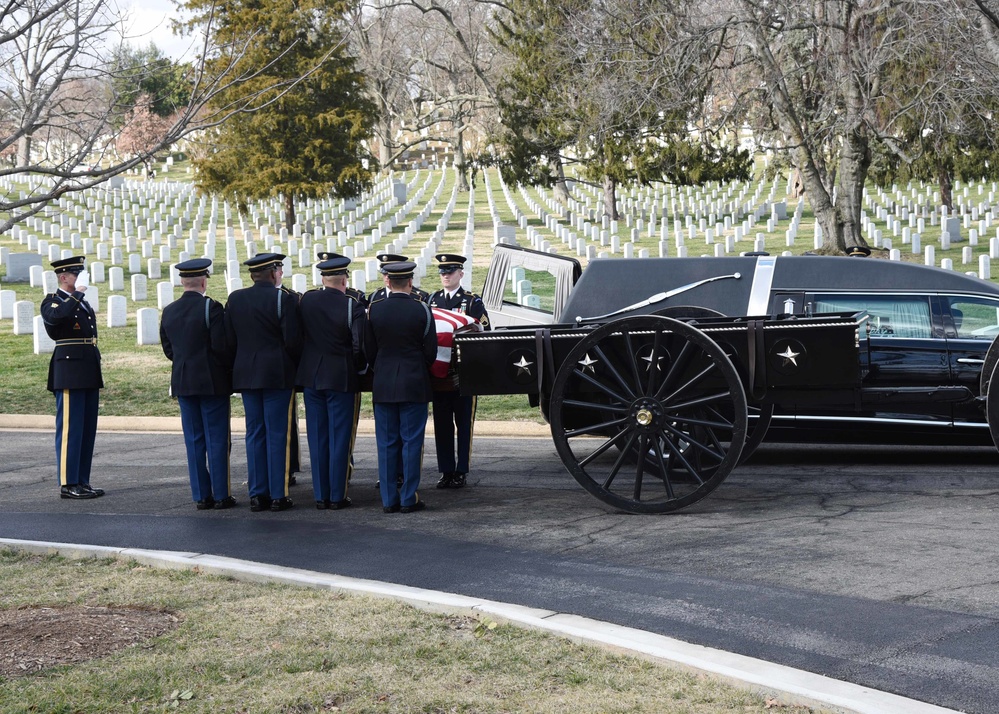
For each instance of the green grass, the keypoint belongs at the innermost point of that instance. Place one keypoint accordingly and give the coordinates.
(243, 647)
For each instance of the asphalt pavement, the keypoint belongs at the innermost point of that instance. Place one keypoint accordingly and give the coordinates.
(870, 565)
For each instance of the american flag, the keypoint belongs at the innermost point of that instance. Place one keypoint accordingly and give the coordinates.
(448, 324)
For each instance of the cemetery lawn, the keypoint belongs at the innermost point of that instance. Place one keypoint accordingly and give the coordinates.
(180, 639)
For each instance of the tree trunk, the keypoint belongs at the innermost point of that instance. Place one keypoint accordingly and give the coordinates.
(945, 176)
(561, 187)
(24, 150)
(289, 213)
(384, 133)
(460, 167)
(854, 161)
(610, 198)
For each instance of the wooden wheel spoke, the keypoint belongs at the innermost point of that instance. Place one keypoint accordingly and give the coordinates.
(589, 379)
(594, 428)
(599, 450)
(662, 459)
(653, 371)
(609, 365)
(678, 453)
(689, 438)
(692, 382)
(619, 462)
(643, 447)
(700, 401)
(596, 406)
(635, 374)
(678, 367)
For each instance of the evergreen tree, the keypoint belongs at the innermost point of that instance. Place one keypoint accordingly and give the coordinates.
(305, 132)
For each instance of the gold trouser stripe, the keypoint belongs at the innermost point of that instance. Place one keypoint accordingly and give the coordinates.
(353, 437)
(287, 442)
(471, 431)
(64, 445)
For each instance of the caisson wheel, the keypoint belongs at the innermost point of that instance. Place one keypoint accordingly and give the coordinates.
(662, 392)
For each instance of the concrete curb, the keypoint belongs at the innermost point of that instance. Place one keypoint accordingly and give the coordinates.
(793, 685)
(366, 427)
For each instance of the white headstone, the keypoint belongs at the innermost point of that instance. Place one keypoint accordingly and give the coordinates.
(50, 282)
(139, 287)
(117, 310)
(148, 328)
(93, 298)
(164, 295)
(7, 300)
(43, 344)
(35, 273)
(96, 273)
(116, 279)
(24, 316)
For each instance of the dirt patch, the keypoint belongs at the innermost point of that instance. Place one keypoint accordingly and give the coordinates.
(36, 638)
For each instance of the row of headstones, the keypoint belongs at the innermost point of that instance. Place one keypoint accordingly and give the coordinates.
(26, 322)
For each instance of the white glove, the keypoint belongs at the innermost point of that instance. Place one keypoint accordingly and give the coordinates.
(83, 280)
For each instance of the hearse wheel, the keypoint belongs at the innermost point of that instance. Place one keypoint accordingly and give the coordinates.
(992, 407)
(648, 385)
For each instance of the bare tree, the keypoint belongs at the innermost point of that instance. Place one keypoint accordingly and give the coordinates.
(50, 48)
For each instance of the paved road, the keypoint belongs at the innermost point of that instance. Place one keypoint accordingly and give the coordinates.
(872, 565)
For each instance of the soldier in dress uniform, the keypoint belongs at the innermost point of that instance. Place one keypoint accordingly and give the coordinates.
(400, 342)
(333, 334)
(382, 292)
(192, 334)
(452, 411)
(262, 330)
(74, 377)
(358, 295)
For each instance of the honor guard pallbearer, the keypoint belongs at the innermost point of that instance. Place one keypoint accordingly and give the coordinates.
(333, 333)
(323, 255)
(382, 292)
(262, 330)
(192, 334)
(400, 342)
(454, 413)
(74, 377)
(294, 443)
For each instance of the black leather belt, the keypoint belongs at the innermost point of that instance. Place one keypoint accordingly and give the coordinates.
(77, 341)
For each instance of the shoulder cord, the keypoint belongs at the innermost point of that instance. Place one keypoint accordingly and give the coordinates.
(430, 317)
(208, 304)
(279, 294)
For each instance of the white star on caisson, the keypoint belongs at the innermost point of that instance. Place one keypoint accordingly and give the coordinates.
(587, 363)
(790, 356)
(650, 358)
(523, 366)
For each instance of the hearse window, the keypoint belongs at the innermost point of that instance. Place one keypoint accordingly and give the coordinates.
(891, 315)
(530, 288)
(975, 318)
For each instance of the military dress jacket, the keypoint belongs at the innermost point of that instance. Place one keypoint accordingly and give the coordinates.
(382, 293)
(332, 345)
(192, 334)
(464, 302)
(400, 342)
(76, 361)
(263, 332)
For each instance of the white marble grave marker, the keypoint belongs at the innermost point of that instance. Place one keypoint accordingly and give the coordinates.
(148, 329)
(117, 310)
(43, 344)
(7, 300)
(116, 279)
(164, 294)
(24, 315)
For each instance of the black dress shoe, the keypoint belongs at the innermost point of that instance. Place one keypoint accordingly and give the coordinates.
(337, 505)
(260, 503)
(76, 491)
(446, 481)
(418, 506)
(205, 504)
(391, 509)
(88, 487)
(323, 505)
(281, 504)
(292, 481)
(227, 502)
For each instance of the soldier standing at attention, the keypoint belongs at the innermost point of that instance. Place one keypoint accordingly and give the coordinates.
(294, 442)
(452, 411)
(401, 343)
(333, 332)
(74, 377)
(192, 333)
(382, 292)
(262, 329)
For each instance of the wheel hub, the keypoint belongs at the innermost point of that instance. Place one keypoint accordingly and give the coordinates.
(646, 413)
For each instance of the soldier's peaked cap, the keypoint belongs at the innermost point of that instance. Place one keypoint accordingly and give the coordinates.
(399, 269)
(334, 266)
(263, 261)
(69, 265)
(449, 262)
(194, 268)
(386, 258)
(324, 254)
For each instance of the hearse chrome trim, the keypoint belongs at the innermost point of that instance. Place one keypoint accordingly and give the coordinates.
(763, 278)
(658, 297)
(872, 420)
